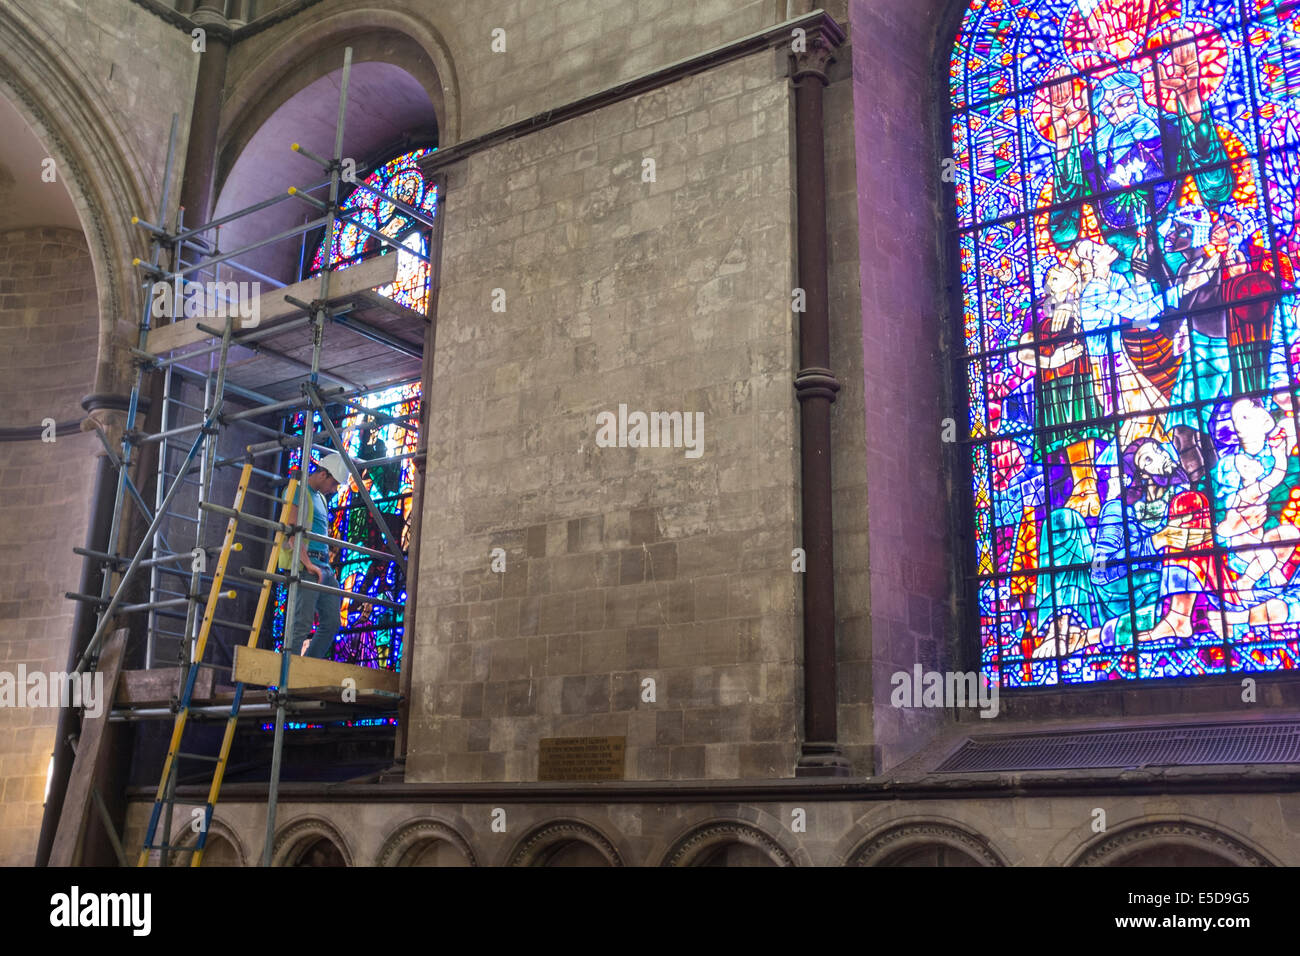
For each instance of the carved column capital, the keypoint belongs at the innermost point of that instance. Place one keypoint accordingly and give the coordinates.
(813, 52)
(106, 412)
(213, 20)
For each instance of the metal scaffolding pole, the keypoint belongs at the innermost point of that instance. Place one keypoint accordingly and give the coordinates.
(321, 588)
(243, 338)
(124, 462)
(342, 448)
(310, 536)
(179, 257)
(238, 390)
(151, 626)
(108, 612)
(304, 491)
(372, 233)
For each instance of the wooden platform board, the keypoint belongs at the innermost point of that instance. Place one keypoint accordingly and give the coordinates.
(344, 353)
(157, 687)
(90, 750)
(379, 699)
(309, 677)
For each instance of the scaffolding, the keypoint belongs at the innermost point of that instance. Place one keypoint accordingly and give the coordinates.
(346, 335)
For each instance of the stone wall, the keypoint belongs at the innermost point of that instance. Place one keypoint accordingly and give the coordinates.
(903, 313)
(848, 420)
(622, 564)
(133, 67)
(48, 327)
(555, 52)
(512, 209)
(1249, 829)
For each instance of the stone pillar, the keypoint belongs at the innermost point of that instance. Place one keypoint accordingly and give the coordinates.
(816, 386)
(205, 117)
(85, 619)
(409, 625)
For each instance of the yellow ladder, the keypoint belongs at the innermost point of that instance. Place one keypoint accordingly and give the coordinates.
(165, 796)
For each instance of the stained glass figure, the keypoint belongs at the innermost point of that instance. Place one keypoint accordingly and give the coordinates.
(1126, 174)
(371, 633)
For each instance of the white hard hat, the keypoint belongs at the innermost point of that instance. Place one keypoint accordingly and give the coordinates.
(333, 463)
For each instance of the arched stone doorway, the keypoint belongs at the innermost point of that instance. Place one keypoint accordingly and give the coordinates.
(566, 843)
(310, 842)
(426, 843)
(433, 853)
(318, 852)
(1170, 843)
(925, 843)
(727, 844)
(734, 853)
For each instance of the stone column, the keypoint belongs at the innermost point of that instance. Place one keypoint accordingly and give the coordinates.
(106, 410)
(205, 117)
(816, 386)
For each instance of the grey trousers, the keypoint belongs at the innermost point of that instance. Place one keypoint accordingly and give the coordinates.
(309, 603)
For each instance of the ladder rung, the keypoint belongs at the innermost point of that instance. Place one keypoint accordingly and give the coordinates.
(263, 494)
(238, 625)
(186, 708)
(187, 439)
(152, 605)
(250, 536)
(231, 580)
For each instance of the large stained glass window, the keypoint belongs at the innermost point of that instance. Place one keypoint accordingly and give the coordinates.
(371, 633)
(401, 179)
(1126, 176)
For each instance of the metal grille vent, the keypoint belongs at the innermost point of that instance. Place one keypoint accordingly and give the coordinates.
(1157, 747)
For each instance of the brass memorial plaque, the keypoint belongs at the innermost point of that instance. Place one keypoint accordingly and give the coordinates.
(581, 758)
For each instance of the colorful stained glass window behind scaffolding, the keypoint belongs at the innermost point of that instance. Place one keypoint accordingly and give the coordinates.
(1126, 176)
(371, 634)
(400, 179)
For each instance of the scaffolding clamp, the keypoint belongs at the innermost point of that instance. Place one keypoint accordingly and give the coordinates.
(148, 268)
(310, 307)
(156, 231)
